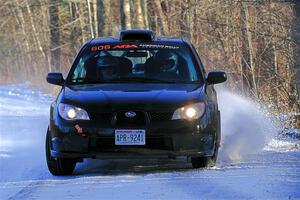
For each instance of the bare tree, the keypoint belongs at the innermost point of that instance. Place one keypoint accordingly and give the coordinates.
(54, 35)
(139, 22)
(248, 23)
(103, 12)
(88, 2)
(125, 14)
(296, 36)
(161, 18)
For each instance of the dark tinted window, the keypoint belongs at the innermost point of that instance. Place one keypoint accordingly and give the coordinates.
(135, 63)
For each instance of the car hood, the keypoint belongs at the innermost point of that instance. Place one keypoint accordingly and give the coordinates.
(110, 97)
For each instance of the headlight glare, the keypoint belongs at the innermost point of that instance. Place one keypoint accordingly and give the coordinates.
(190, 112)
(69, 112)
(193, 111)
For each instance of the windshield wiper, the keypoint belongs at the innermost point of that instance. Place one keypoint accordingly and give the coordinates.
(119, 80)
(86, 81)
(140, 80)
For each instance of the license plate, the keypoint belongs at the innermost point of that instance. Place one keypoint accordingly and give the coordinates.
(130, 137)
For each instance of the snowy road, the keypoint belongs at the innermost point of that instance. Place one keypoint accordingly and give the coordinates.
(252, 165)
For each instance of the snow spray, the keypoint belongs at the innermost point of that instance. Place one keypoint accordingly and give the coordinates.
(245, 126)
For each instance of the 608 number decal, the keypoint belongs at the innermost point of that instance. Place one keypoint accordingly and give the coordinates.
(119, 46)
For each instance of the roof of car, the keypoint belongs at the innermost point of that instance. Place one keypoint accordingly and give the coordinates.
(115, 40)
(149, 37)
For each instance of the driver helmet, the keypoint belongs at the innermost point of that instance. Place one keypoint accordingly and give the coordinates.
(167, 61)
(108, 67)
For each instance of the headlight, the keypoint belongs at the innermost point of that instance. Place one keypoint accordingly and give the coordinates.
(69, 112)
(193, 111)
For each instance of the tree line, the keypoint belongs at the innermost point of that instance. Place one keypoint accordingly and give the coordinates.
(255, 41)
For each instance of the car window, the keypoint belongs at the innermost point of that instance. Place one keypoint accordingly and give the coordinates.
(135, 63)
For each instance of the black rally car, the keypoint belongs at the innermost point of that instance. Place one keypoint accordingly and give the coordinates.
(135, 96)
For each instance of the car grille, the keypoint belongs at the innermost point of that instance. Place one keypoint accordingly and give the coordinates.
(160, 116)
(139, 120)
(102, 118)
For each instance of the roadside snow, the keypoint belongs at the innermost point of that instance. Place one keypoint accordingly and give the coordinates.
(18, 100)
(283, 144)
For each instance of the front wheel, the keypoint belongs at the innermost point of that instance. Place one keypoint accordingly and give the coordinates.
(201, 162)
(58, 166)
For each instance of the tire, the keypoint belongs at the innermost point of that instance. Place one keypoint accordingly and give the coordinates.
(201, 162)
(58, 166)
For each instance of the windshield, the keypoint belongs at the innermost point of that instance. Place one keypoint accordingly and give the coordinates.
(147, 63)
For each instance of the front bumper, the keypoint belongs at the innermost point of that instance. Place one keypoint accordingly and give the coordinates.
(163, 139)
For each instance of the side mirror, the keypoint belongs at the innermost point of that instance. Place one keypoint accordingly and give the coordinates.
(216, 77)
(55, 78)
